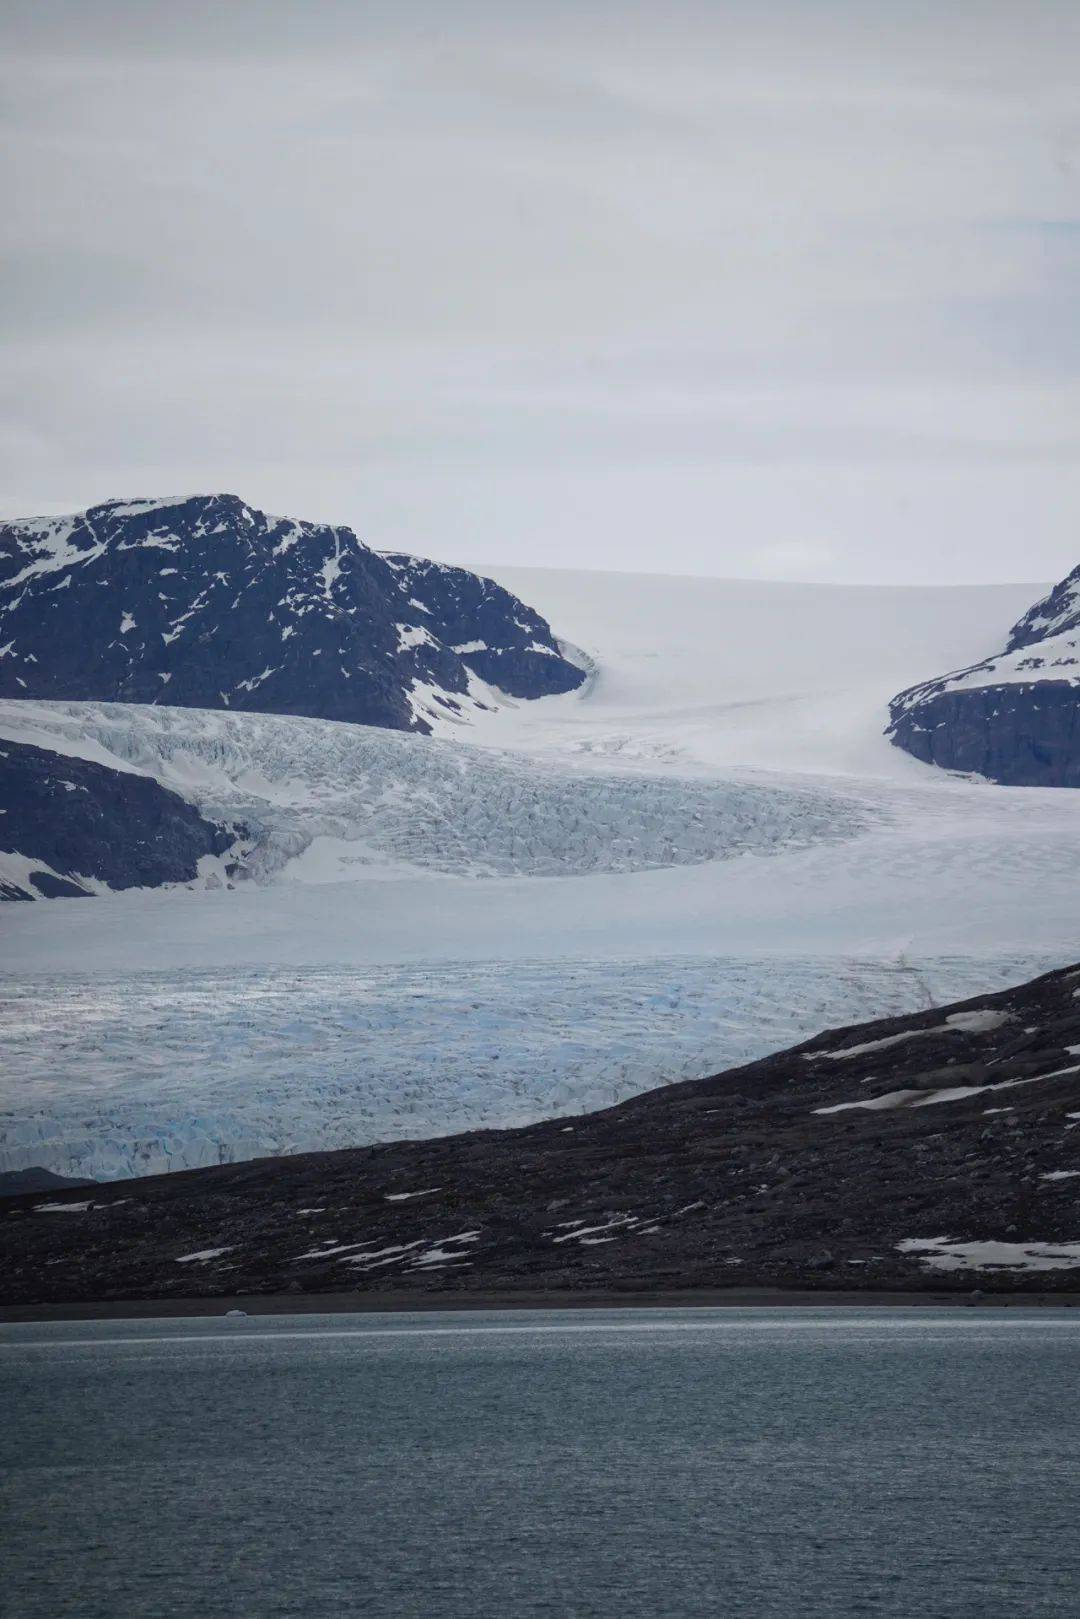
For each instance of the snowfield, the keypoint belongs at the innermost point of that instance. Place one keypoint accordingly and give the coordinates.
(706, 853)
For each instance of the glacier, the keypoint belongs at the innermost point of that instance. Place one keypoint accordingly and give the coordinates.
(318, 795)
(706, 852)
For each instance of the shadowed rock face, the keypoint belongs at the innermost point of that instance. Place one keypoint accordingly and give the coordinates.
(900, 1154)
(1020, 736)
(82, 820)
(1015, 717)
(208, 603)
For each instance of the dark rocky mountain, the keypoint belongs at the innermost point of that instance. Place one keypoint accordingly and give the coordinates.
(205, 602)
(1015, 717)
(938, 1151)
(75, 822)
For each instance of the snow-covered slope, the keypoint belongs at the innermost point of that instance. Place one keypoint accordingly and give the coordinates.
(787, 869)
(1014, 717)
(1056, 658)
(741, 674)
(206, 602)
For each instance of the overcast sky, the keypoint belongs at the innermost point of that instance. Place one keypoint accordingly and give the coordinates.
(785, 288)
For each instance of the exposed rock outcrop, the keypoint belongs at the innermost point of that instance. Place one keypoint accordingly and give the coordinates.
(79, 827)
(1015, 717)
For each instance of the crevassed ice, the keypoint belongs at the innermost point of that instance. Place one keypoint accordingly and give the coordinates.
(360, 798)
(110, 1075)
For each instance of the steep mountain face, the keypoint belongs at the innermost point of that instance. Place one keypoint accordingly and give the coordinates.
(938, 1150)
(206, 602)
(72, 827)
(494, 634)
(1015, 717)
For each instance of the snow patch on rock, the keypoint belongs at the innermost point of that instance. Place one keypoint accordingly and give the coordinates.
(943, 1253)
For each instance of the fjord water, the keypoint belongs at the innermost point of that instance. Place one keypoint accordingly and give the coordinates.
(498, 1465)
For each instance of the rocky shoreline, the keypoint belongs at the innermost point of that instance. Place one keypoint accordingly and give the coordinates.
(732, 1298)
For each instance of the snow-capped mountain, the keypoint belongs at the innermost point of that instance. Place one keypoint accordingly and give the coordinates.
(1013, 718)
(205, 602)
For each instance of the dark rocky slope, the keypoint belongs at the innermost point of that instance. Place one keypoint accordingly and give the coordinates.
(737, 1180)
(1015, 717)
(14, 1182)
(83, 820)
(206, 602)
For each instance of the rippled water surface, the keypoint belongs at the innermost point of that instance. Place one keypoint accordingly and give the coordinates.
(496, 1465)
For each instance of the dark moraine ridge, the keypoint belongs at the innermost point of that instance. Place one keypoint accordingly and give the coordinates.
(84, 820)
(739, 1180)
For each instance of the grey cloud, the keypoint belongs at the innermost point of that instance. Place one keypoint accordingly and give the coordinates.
(774, 284)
